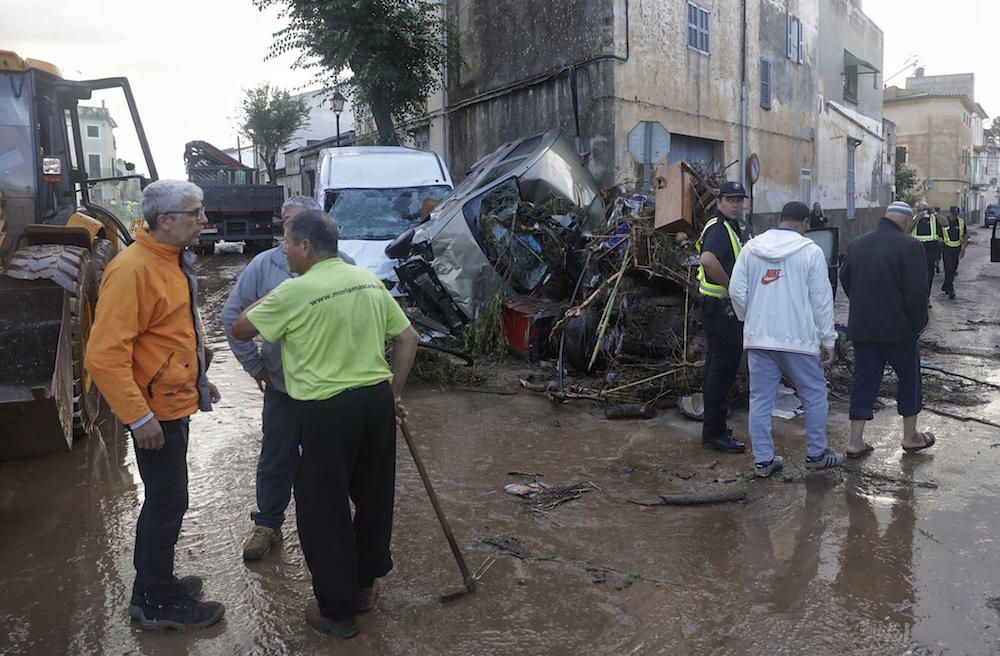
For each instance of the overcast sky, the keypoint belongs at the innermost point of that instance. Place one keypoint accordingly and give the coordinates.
(189, 60)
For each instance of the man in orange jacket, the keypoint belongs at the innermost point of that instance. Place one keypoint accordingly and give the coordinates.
(146, 354)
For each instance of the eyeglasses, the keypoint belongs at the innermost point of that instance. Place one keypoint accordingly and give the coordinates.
(195, 212)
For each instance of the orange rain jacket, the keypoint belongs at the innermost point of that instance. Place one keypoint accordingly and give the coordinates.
(146, 351)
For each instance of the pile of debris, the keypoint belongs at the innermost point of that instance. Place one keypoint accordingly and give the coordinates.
(530, 252)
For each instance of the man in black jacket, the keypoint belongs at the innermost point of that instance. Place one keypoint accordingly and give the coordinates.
(885, 276)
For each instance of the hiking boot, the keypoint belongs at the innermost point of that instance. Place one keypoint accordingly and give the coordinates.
(188, 586)
(765, 469)
(182, 614)
(366, 598)
(828, 460)
(260, 541)
(341, 628)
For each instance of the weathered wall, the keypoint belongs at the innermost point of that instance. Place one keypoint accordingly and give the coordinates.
(844, 26)
(936, 136)
(513, 79)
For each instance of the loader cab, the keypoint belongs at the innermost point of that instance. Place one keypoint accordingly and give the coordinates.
(65, 147)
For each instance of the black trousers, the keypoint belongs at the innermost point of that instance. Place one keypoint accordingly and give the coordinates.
(278, 461)
(870, 359)
(165, 478)
(950, 256)
(348, 454)
(724, 333)
(932, 250)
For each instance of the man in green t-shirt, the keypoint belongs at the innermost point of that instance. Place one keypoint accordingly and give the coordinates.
(332, 322)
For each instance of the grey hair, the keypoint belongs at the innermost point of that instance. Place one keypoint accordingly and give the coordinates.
(166, 196)
(318, 227)
(304, 202)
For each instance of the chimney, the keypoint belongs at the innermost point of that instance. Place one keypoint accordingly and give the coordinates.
(919, 72)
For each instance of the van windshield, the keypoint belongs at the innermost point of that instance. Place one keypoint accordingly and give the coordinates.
(380, 213)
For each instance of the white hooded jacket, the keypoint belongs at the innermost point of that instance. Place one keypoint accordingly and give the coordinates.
(780, 289)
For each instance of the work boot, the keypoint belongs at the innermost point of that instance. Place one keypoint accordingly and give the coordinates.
(260, 541)
(188, 586)
(366, 598)
(341, 628)
(765, 469)
(182, 614)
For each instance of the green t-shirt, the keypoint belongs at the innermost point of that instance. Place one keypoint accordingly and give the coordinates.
(333, 322)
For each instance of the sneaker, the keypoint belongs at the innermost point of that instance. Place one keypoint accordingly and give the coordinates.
(341, 628)
(828, 460)
(259, 542)
(188, 586)
(182, 614)
(765, 469)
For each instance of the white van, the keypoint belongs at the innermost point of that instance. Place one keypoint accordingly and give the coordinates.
(377, 193)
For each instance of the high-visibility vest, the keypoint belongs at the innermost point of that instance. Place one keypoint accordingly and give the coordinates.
(705, 287)
(961, 235)
(934, 230)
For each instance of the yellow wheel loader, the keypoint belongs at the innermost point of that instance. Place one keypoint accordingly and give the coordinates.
(73, 162)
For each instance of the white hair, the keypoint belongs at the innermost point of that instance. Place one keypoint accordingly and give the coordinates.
(166, 196)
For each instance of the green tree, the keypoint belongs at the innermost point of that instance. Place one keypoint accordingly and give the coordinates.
(270, 117)
(909, 187)
(386, 54)
(991, 135)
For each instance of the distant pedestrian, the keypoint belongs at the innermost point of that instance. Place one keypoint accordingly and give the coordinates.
(719, 246)
(927, 230)
(279, 448)
(781, 289)
(146, 353)
(816, 217)
(884, 275)
(955, 240)
(332, 322)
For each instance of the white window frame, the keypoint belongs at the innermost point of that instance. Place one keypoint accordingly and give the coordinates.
(87, 131)
(699, 36)
(793, 38)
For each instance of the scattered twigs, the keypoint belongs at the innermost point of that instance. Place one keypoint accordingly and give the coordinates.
(962, 418)
(608, 309)
(643, 381)
(962, 376)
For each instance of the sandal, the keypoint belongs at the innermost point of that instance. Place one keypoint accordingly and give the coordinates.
(928, 443)
(854, 455)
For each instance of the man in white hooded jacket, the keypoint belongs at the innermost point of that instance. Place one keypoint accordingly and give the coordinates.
(781, 291)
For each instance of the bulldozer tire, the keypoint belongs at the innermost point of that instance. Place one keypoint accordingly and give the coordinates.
(104, 250)
(73, 269)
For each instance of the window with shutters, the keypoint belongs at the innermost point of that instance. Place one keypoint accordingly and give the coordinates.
(793, 39)
(94, 131)
(901, 154)
(765, 83)
(851, 83)
(698, 32)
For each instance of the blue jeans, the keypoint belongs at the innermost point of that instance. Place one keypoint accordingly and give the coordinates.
(806, 374)
(279, 459)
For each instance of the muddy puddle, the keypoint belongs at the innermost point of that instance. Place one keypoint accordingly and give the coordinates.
(896, 555)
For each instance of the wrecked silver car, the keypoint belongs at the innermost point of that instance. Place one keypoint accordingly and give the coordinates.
(449, 266)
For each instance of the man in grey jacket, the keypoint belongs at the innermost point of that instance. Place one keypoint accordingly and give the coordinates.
(279, 453)
(781, 291)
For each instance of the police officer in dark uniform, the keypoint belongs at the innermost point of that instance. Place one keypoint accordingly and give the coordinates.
(719, 245)
(927, 230)
(955, 240)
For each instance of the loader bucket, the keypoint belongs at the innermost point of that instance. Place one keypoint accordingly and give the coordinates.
(36, 369)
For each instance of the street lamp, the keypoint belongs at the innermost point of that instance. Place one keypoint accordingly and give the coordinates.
(338, 106)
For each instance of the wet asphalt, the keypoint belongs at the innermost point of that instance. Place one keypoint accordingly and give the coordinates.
(896, 555)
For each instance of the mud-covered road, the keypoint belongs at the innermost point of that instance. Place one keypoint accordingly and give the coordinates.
(896, 555)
